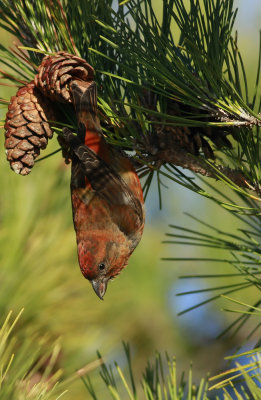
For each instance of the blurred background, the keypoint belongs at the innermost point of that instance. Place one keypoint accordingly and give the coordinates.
(39, 269)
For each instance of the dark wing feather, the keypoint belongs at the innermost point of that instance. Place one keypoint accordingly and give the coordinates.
(103, 179)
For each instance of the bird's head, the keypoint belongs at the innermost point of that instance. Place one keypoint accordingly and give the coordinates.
(101, 260)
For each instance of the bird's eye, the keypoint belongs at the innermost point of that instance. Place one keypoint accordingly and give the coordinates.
(101, 267)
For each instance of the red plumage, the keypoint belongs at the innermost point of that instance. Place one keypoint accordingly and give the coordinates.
(107, 198)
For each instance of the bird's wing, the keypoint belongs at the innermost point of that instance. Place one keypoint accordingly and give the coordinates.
(103, 179)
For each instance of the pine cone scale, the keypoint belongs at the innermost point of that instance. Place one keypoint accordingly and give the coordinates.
(17, 167)
(48, 130)
(11, 142)
(62, 71)
(28, 159)
(17, 121)
(28, 106)
(33, 116)
(23, 99)
(24, 145)
(65, 78)
(35, 140)
(14, 154)
(22, 132)
(13, 112)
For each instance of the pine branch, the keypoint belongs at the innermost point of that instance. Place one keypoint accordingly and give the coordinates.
(181, 158)
(152, 84)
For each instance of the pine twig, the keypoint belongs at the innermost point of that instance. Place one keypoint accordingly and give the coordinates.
(181, 158)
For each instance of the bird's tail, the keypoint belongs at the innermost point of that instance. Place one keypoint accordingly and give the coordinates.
(84, 99)
(85, 102)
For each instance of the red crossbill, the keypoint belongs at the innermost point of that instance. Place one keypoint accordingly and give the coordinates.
(107, 198)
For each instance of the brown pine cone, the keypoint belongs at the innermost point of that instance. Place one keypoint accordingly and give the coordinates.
(192, 139)
(27, 128)
(218, 136)
(56, 72)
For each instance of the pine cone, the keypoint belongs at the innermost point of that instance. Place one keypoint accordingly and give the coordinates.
(191, 139)
(218, 136)
(56, 72)
(27, 129)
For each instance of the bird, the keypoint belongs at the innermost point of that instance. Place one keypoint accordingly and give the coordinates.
(106, 195)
